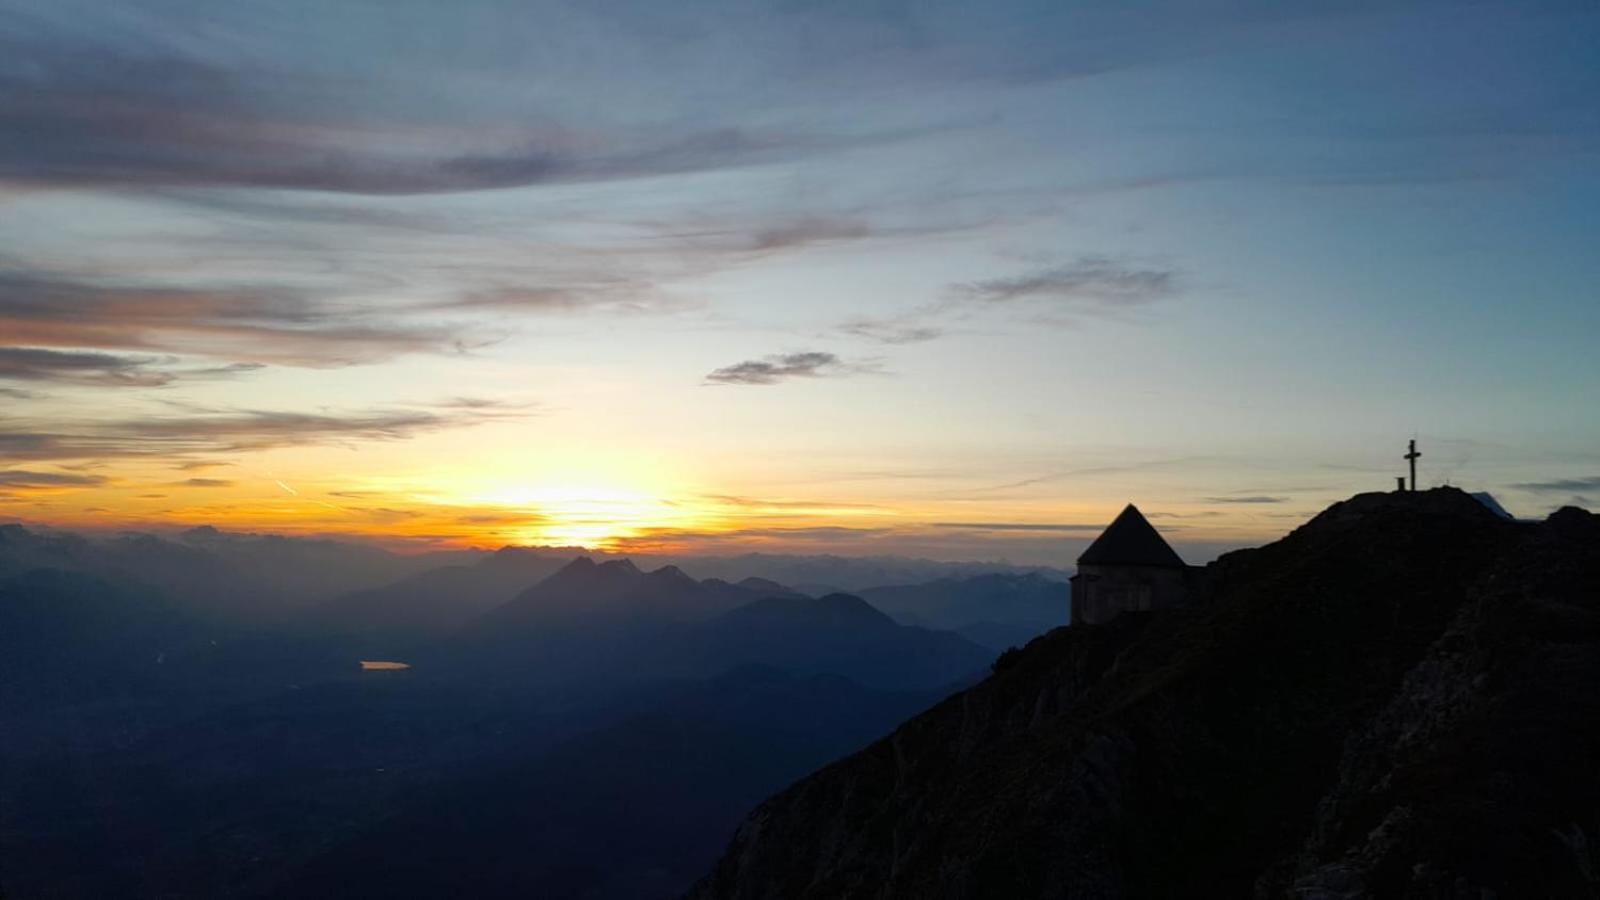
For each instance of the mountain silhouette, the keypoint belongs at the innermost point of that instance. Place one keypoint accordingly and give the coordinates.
(838, 634)
(995, 609)
(1397, 699)
(596, 626)
(428, 605)
(238, 579)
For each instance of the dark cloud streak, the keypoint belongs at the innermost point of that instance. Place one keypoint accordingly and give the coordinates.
(77, 114)
(244, 325)
(1560, 485)
(97, 369)
(1091, 283)
(1090, 529)
(23, 478)
(226, 431)
(775, 369)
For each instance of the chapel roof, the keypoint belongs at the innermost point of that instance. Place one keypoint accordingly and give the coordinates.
(1130, 540)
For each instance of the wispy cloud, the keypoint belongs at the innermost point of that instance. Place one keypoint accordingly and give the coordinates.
(782, 367)
(1560, 485)
(608, 294)
(486, 404)
(891, 331)
(199, 465)
(87, 114)
(1096, 472)
(35, 364)
(104, 369)
(250, 325)
(1252, 499)
(23, 478)
(806, 231)
(206, 483)
(204, 432)
(1056, 295)
(1022, 526)
(1089, 284)
(783, 507)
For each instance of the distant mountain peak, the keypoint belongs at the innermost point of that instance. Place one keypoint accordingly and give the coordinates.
(670, 575)
(832, 611)
(764, 584)
(584, 573)
(849, 605)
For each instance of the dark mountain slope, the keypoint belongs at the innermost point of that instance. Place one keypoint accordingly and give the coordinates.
(1484, 768)
(1409, 660)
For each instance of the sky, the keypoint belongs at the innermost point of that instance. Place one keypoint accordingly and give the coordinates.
(944, 279)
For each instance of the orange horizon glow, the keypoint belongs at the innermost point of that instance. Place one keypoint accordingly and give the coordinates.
(640, 512)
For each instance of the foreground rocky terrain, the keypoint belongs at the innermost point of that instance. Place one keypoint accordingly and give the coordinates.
(1400, 699)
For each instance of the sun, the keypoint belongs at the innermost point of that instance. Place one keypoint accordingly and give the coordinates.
(592, 516)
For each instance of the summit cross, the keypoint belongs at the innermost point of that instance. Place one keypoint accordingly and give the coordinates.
(1411, 457)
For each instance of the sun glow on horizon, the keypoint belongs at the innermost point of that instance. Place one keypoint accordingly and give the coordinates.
(593, 516)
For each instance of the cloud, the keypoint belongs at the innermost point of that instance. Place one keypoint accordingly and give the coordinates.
(655, 538)
(206, 483)
(891, 331)
(757, 505)
(806, 231)
(1094, 285)
(1091, 283)
(485, 403)
(249, 326)
(1255, 499)
(1560, 485)
(80, 367)
(1022, 526)
(781, 367)
(102, 369)
(89, 114)
(603, 294)
(226, 431)
(1095, 472)
(23, 478)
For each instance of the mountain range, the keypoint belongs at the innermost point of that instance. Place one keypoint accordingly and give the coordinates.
(610, 624)
(995, 609)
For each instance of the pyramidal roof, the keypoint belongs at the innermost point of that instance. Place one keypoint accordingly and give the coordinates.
(1130, 540)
